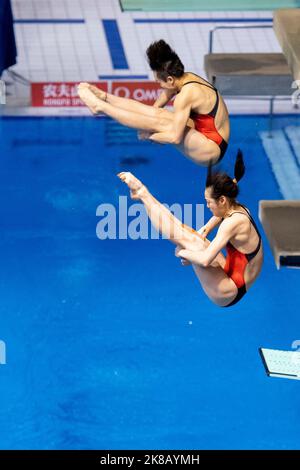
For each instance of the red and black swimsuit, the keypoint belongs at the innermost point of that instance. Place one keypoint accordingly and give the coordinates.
(236, 261)
(205, 123)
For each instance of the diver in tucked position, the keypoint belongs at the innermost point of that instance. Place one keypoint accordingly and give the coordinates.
(198, 127)
(224, 280)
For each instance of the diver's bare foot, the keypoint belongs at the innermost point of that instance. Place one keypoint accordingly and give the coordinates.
(89, 98)
(102, 95)
(137, 189)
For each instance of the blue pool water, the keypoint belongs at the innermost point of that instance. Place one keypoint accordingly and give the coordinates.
(112, 344)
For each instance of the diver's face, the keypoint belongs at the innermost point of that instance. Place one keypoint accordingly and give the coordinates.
(168, 84)
(216, 206)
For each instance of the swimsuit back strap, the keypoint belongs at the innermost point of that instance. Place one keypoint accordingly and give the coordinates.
(251, 220)
(199, 83)
(247, 215)
(251, 255)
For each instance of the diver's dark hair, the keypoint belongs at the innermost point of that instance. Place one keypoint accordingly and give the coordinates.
(164, 61)
(222, 184)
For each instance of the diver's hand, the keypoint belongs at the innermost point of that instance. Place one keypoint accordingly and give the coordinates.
(203, 231)
(184, 262)
(143, 135)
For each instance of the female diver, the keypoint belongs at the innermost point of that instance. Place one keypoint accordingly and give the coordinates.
(198, 127)
(224, 280)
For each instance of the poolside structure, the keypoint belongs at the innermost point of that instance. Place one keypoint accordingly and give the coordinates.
(281, 222)
(259, 74)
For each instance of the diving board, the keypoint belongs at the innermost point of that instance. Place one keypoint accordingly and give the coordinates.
(281, 223)
(249, 74)
(286, 24)
(278, 363)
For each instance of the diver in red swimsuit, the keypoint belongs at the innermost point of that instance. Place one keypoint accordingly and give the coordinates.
(224, 280)
(198, 126)
(241, 265)
(205, 123)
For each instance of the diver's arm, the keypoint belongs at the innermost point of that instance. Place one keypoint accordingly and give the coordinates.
(210, 225)
(205, 257)
(164, 97)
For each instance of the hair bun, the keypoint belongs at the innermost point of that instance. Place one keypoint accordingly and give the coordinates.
(162, 57)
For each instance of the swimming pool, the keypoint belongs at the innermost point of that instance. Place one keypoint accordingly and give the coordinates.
(112, 344)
